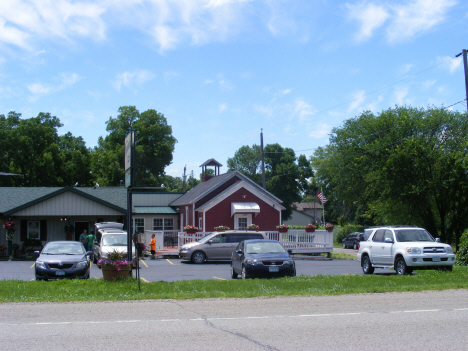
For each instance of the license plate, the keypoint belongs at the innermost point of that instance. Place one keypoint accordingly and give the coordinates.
(274, 269)
(435, 259)
(60, 273)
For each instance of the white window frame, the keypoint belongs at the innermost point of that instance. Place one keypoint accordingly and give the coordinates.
(163, 226)
(134, 224)
(240, 215)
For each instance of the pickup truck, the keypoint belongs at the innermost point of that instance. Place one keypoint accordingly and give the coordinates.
(404, 249)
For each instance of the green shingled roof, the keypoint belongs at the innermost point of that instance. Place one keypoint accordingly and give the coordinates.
(153, 210)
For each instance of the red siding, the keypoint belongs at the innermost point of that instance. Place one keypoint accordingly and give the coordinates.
(267, 219)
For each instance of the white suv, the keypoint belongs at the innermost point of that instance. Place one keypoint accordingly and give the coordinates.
(404, 249)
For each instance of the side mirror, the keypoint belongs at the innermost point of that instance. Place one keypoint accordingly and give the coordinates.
(209, 242)
(437, 240)
(389, 240)
(289, 251)
(89, 253)
(239, 251)
(36, 253)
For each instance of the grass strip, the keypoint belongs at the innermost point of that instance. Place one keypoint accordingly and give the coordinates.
(99, 290)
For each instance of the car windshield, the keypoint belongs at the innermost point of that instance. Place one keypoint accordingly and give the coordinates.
(405, 235)
(206, 238)
(264, 248)
(63, 249)
(114, 240)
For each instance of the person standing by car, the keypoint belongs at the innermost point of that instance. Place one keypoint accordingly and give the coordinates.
(91, 239)
(83, 239)
(153, 246)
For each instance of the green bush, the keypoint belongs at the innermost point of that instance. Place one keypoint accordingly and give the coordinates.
(344, 231)
(462, 254)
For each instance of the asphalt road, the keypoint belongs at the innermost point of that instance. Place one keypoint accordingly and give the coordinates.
(432, 320)
(176, 269)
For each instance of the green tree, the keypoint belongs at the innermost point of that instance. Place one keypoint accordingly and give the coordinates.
(154, 145)
(403, 166)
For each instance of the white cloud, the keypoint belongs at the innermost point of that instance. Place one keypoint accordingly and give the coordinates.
(222, 108)
(405, 20)
(130, 79)
(370, 16)
(358, 98)
(405, 68)
(416, 17)
(451, 64)
(400, 96)
(320, 131)
(39, 89)
(302, 109)
(25, 22)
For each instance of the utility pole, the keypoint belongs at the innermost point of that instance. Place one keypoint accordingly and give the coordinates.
(184, 178)
(263, 160)
(465, 66)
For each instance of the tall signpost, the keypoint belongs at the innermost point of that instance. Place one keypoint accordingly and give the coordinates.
(129, 183)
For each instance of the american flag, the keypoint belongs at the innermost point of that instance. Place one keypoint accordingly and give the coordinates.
(322, 197)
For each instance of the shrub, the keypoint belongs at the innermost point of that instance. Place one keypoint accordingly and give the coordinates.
(462, 254)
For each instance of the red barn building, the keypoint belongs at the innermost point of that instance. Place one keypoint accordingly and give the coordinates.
(231, 199)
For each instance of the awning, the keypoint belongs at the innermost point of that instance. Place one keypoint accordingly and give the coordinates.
(244, 207)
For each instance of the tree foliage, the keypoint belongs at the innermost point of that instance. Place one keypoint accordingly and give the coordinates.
(403, 166)
(32, 148)
(154, 145)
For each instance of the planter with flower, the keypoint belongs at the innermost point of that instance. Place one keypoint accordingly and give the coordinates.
(10, 227)
(329, 227)
(190, 229)
(221, 228)
(310, 228)
(283, 228)
(115, 266)
(3, 248)
(253, 227)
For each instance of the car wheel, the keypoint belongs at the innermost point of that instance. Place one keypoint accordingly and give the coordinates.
(400, 266)
(367, 265)
(344, 245)
(198, 257)
(355, 246)
(244, 273)
(233, 273)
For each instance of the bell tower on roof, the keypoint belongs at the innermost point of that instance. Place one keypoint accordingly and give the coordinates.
(210, 163)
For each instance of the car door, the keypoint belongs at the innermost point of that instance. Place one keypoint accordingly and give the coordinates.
(376, 249)
(216, 247)
(387, 248)
(237, 258)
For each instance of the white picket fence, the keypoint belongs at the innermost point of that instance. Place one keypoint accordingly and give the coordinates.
(320, 241)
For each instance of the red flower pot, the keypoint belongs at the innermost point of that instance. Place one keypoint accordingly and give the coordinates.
(329, 229)
(283, 230)
(310, 230)
(190, 231)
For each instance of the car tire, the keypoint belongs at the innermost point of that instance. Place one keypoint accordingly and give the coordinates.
(344, 245)
(400, 267)
(233, 273)
(198, 257)
(367, 265)
(355, 246)
(244, 273)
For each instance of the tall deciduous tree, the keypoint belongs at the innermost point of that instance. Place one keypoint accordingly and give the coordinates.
(404, 166)
(154, 145)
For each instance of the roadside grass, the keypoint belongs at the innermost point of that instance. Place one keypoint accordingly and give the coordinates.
(99, 290)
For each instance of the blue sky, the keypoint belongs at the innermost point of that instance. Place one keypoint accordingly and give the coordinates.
(220, 70)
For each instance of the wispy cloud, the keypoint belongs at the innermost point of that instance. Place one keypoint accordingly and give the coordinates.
(24, 22)
(452, 64)
(132, 79)
(358, 98)
(370, 17)
(63, 81)
(303, 110)
(404, 21)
